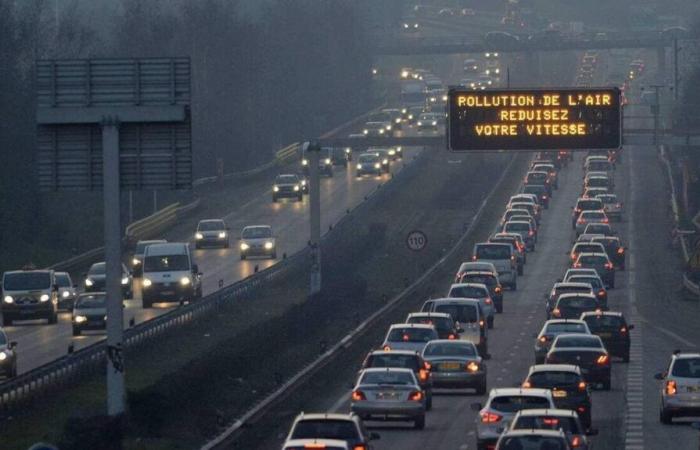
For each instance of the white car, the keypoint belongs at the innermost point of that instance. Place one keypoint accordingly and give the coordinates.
(258, 240)
(409, 336)
(587, 217)
(680, 392)
(475, 266)
(612, 206)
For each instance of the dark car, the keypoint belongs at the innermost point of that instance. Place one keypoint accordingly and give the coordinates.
(569, 389)
(564, 288)
(613, 330)
(491, 282)
(585, 204)
(540, 191)
(601, 263)
(95, 280)
(539, 178)
(403, 359)
(287, 186)
(571, 306)
(586, 351)
(340, 156)
(614, 250)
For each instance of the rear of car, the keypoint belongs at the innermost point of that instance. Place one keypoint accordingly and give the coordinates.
(502, 257)
(524, 229)
(553, 328)
(403, 359)
(564, 288)
(516, 241)
(585, 204)
(455, 364)
(571, 306)
(444, 324)
(343, 427)
(476, 291)
(588, 217)
(594, 361)
(613, 330)
(680, 392)
(474, 266)
(569, 389)
(491, 282)
(469, 316)
(554, 419)
(533, 439)
(611, 205)
(602, 265)
(541, 191)
(411, 337)
(614, 249)
(316, 444)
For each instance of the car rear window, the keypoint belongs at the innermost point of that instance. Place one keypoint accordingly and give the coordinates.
(566, 328)
(388, 377)
(488, 280)
(686, 368)
(586, 205)
(534, 189)
(565, 424)
(592, 259)
(581, 341)
(593, 281)
(460, 313)
(604, 323)
(211, 225)
(608, 198)
(451, 349)
(411, 335)
(592, 215)
(515, 403)
(548, 380)
(587, 248)
(394, 360)
(536, 176)
(597, 181)
(577, 302)
(467, 292)
(62, 280)
(344, 430)
(440, 323)
(517, 226)
(493, 252)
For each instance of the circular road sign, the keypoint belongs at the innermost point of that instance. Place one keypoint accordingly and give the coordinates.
(416, 240)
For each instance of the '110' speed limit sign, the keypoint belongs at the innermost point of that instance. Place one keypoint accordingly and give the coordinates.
(416, 240)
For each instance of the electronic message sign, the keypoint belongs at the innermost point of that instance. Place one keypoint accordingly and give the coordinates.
(534, 119)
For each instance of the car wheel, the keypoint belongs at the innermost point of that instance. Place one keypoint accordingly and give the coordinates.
(197, 246)
(612, 284)
(227, 245)
(419, 423)
(539, 360)
(626, 357)
(481, 446)
(514, 286)
(76, 331)
(243, 257)
(499, 308)
(665, 416)
(273, 255)
(429, 401)
(13, 372)
(274, 199)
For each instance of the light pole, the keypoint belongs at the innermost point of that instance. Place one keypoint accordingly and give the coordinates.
(314, 151)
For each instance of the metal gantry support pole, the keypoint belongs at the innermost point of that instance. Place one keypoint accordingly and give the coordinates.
(116, 397)
(314, 151)
(675, 68)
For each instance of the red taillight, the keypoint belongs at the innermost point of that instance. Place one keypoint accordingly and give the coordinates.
(573, 256)
(609, 265)
(551, 421)
(386, 348)
(576, 442)
(451, 337)
(582, 386)
(577, 210)
(313, 445)
(498, 290)
(427, 365)
(527, 385)
(358, 396)
(601, 293)
(581, 409)
(581, 220)
(620, 251)
(671, 387)
(623, 330)
(489, 417)
(556, 312)
(472, 367)
(603, 360)
(406, 338)
(606, 220)
(360, 447)
(543, 339)
(474, 258)
(577, 264)
(481, 323)
(416, 396)
(530, 233)
(423, 375)
(488, 300)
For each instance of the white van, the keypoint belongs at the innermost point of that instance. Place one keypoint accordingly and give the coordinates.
(29, 294)
(170, 274)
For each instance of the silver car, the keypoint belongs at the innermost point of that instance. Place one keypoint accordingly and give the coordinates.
(409, 336)
(389, 394)
(456, 364)
(555, 419)
(258, 240)
(90, 312)
(680, 392)
(211, 232)
(587, 217)
(533, 439)
(501, 407)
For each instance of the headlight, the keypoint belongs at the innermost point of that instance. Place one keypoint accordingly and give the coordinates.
(88, 282)
(388, 128)
(303, 182)
(79, 319)
(304, 162)
(398, 149)
(381, 131)
(420, 123)
(185, 281)
(8, 299)
(146, 282)
(328, 160)
(444, 98)
(365, 131)
(398, 120)
(359, 166)
(296, 187)
(495, 55)
(487, 55)
(392, 152)
(405, 25)
(404, 110)
(65, 294)
(386, 161)
(222, 235)
(244, 246)
(410, 117)
(198, 236)
(125, 281)
(488, 71)
(3, 356)
(434, 122)
(497, 71)
(268, 245)
(415, 25)
(136, 261)
(377, 166)
(275, 188)
(347, 150)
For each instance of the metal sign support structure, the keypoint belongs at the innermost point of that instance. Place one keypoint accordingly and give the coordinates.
(314, 152)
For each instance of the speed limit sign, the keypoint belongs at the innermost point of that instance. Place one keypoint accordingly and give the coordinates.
(416, 240)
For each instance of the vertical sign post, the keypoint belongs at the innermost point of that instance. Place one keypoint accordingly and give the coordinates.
(314, 151)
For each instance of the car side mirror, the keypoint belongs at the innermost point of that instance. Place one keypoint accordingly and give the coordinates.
(592, 432)
(476, 406)
(630, 327)
(659, 376)
(374, 436)
(13, 344)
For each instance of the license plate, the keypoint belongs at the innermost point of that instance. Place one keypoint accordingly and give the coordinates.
(559, 394)
(605, 335)
(387, 396)
(449, 366)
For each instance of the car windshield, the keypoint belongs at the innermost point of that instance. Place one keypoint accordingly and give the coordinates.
(426, 117)
(578, 342)
(587, 248)
(440, 323)
(585, 205)
(686, 368)
(388, 377)
(493, 251)
(26, 281)
(411, 335)
(604, 323)
(515, 403)
(165, 263)
(451, 349)
(286, 179)
(97, 269)
(394, 360)
(460, 313)
(533, 443)
(577, 302)
(211, 225)
(256, 233)
(62, 280)
(517, 226)
(598, 166)
(566, 328)
(344, 430)
(551, 379)
(467, 292)
(597, 181)
(91, 301)
(593, 215)
(565, 424)
(593, 281)
(597, 228)
(141, 247)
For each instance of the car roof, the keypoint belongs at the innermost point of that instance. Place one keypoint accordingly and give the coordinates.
(429, 314)
(538, 368)
(256, 226)
(560, 321)
(424, 326)
(602, 255)
(499, 244)
(531, 432)
(394, 352)
(536, 392)
(387, 369)
(548, 412)
(580, 199)
(330, 416)
(321, 443)
(571, 284)
(601, 313)
(685, 355)
(455, 300)
(479, 285)
(576, 294)
(152, 241)
(480, 273)
(169, 248)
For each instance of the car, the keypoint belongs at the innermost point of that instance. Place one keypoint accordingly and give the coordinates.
(578, 271)
(412, 27)
(572, 305)
(90, 312)
(569, 389)
(384, 157)
(404, 336)
(467, 312)
(287, 186)
(587, 217)
(599, 163)
(510, 213)
(489, 280)
(525, 229)
(66, 291)
(502, 256)
(585, 204)
(211, 233)
(596, 284)
(585, 351)
(516, 241)
(475, 266)
(525, 198)
(526, 217)
(377, 129)
(404, 359)
(428, 121)
(613, 330)
(413, 113)
(541, 191)
(681, 385)
(500, 408)
(389, 394)
(533, 439)
(324, 444)
(95, 279)
(555, 419)
(29, 294)
(8, 356)
(601, 263)
(560, 288)
(603, 229)
(455, 364)
(258, 240)
(599, 182)
(471, 65)
(345, 427)
(444, 324)
(594, 192)
(539, 177)
(585, 247)
(369, 164)
(304, 182)
(551, 169)
(532, 208)
(325, 162)
(476, 291)
(170, 274)
(612, 206)
(137, 258)
(551, 329)
(614, 249)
